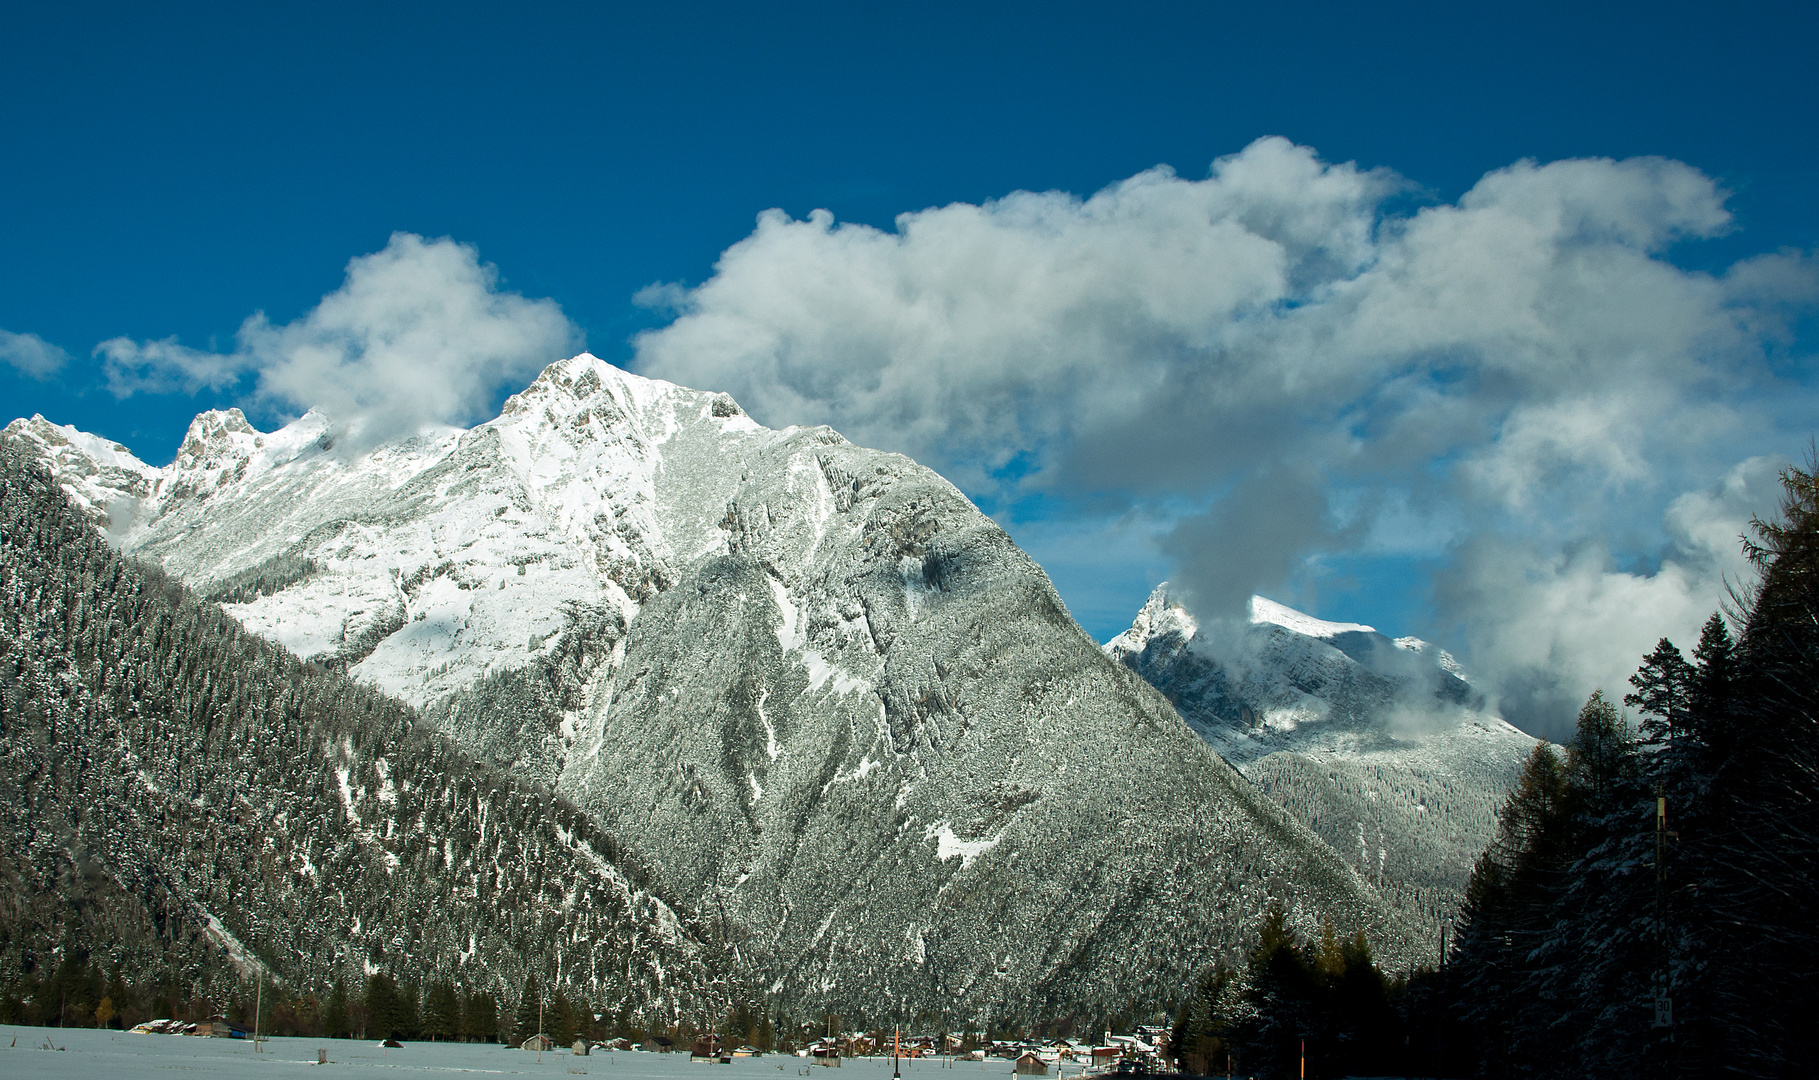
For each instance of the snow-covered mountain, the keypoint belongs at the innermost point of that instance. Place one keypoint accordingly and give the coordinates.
(839, 716)
(1380, 745)
(182, 801)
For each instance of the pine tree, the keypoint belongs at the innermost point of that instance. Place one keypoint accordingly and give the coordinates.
(1506, 915)
(1749, 854)
(480, 1017)
(559, 1021)
(442, 1012)
(1592, 967)
(1664, 687)
(387, 1013)
(1715, 663)
(334, 1018)
(530, 1012)
(1200, 1035)
(1280, 994)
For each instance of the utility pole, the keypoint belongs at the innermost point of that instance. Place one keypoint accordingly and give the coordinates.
(1664, 1002)
(1440, 1013)
(258, 1003)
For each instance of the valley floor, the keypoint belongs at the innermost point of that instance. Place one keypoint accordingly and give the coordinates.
(82, 1054)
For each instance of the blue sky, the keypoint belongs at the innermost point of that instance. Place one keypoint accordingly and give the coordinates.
(170, 171)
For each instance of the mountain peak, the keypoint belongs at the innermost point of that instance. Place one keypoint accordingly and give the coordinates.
(215, 434)
(1265, 610)
(1166, 614)
(1380, 746)
(584, 387)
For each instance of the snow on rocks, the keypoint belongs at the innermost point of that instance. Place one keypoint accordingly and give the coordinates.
(1381, 746)
(806, 684)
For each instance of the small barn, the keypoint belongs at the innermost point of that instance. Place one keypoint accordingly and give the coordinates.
(539, 1041)
(1028, 1064)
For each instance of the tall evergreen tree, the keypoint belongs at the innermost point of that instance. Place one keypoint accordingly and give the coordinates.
(559, 1020)
(1506, 916)
(480, 1017)
(1200, 1036)
(1715, 664)
(334, 1017)
(1664, 688)
(1751, 861)
(531, 1011)
(387, 1013)
(442, 1012)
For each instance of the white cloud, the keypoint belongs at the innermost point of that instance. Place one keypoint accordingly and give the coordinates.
(1548, 625)
(31, 355)
(417, 333)
(1521, 371)
(166, 367)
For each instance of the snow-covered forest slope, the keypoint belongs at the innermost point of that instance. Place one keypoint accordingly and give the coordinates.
(186, 804)
(846, 724)
(1381, 746)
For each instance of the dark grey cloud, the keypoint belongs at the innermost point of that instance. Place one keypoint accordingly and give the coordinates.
(1251, 540)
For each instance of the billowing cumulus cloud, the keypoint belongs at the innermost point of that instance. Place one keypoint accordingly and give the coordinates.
(31, 355)
(417, 333)
(1519, 387)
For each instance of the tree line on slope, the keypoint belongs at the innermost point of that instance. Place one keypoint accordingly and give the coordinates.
(76, 994)
(1646, 908)
(187, 804)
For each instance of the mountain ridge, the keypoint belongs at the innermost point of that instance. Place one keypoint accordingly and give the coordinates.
(838, 713)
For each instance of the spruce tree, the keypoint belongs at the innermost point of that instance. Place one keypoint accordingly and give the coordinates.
(559, 1020)
(480, 1017)
(1664, 687)
(334, 1017)
(1506, 915)
(530, 1010)
(387, 1012)
(1749, 857)
(1715, 663)
(442, 1012)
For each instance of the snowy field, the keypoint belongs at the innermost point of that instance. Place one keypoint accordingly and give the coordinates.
(114, 1055)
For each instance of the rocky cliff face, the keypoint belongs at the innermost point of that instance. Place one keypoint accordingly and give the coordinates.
(847, 725)
(1380, 746)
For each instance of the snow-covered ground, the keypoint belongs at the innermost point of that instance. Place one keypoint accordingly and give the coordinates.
(86, 1054)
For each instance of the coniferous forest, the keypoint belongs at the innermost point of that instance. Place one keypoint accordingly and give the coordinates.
(190, 810)
(1647, 908)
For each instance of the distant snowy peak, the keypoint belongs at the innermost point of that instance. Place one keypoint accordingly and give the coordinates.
(1165, 614)
(1288, 680)
(1379, 746)
(1163, 617)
